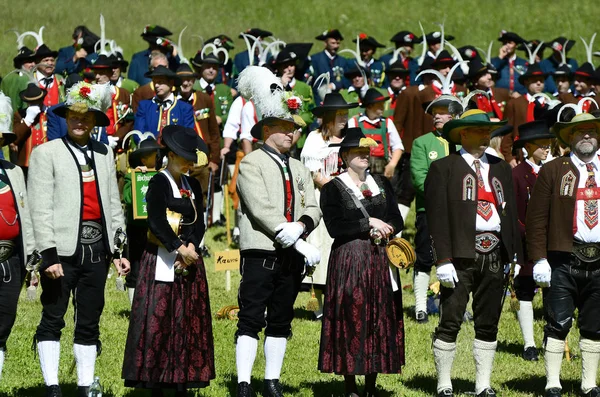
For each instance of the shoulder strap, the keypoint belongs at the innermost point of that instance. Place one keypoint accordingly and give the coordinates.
(357, 202)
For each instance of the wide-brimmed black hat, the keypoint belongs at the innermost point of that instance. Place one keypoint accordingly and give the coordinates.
(404, 38)
(443, 58)
(476, 69)
(151, 32)
(24, 55)
(468, 52)
(537, 129)
(373, 96)
(563, 70)
(208, 59)
(257, 32)
(355, 70)
(559, 43)
(427, 64)
(44, 52)
(222, 41)
(32, 93)
(502, 131)
(162, 71)
(9, 137)
(332, 102)
(510, 36)
(436, 38)
(586, 70)
(493, 71)
(301, 50)
(397, 68)
(532, 45)
(185, 71)
(183, 141)
(532, 71)
(147, 146)
(331, 33)
(104, 62)
(368, 41)
(119, 61)
(353, 138)
(286, 55)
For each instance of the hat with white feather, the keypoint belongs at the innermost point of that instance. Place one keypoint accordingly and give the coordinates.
(265, 90)
(85, 97)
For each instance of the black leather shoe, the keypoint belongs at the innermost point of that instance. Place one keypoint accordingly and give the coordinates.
(204, 251)
(531, 354)
(83, 391)
(272, 388)
(445, 393)
(595, 392)
(53, 391)
(422, 317)
(553, 392)
(244, 390)
(489, 392)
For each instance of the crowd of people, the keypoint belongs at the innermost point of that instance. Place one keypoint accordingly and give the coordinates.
(325, 155)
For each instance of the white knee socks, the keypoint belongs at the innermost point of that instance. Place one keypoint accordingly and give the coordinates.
(85, 357)
(131, 293)
(274, 354)
(443, 354)
(217, 206)
(245, 354)
(319, 296)
(554, 351)
(483, 353)
(590, 354)
(49, 352)
(525, 316)
(420, 288)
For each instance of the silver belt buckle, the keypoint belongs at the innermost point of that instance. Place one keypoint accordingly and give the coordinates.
(486, 242)
(7, 247)
(91, 232)
(587, 253)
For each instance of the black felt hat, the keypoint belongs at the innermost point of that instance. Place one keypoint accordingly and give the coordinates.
(185, 71)
(373, 96)
(355, 70)
(436, 38)
(32, 93)
(559, 43)
(368, 41)
(502, 131)
(104, 62)
(183, 141)
(397, 68)
(24, 55)
(208, 59)
(585, 70)
(563, 70)
(257, 32)
(404, 38)
(330, 34)
(332, 102)
(537, 129)
(510, 36)
(151, 32)
(532, 71)
(147, 146)
(353, 138)
(44, 52)
(162, 71)
(468, 52)
(222, 41)
(443, 58)
(476, 69)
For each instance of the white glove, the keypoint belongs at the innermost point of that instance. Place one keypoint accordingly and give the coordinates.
(289, 233)
(517, 270)
(310, 252)
(542, 273)
(113, 141)
(447, 275)
(31, 113)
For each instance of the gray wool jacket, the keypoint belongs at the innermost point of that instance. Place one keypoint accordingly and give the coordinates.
(56, 193)
(17, 184)
(261, 186)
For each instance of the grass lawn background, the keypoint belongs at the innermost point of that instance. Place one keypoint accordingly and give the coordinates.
(471, 22)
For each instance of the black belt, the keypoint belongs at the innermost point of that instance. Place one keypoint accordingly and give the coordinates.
(91, 232)
(586, 252)
(7, 248)
(486, 242)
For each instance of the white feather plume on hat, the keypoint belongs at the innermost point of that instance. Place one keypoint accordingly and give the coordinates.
(93, 96)
(265, 90)
(6, 114)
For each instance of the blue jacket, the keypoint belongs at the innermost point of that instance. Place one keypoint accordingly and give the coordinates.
(65, 64)
(57, 127)
(549, 65)
(504, 73)
(321, 63)
(148, 116)
(140, 62)
(413, 68)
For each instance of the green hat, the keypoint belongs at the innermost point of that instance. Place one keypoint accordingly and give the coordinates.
(562, 130)
(470, 118)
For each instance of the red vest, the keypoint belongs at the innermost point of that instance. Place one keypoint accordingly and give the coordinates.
(9, 223)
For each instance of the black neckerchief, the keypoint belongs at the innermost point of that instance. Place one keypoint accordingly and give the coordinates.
(83, 150)
(282, 156)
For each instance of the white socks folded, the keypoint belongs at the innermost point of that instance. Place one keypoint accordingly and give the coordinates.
(85, 357)
(553, 355)
(245, 354)
(590, 354)
(131, 293)
(483, 353)
(443, 355)
(49, 352)
(421, 286)
(274, 354)
(525, 316)
(217, 204)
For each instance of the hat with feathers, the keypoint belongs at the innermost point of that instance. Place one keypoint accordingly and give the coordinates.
(265, 90)
(84, 97)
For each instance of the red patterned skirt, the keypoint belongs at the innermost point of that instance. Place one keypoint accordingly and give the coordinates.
(170, 341)
(363, 327)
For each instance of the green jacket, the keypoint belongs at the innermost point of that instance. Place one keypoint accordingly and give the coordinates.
(222, 99)
(425, 150)
(304, 91)
(129, 85)
(352, 97)
(11, 86)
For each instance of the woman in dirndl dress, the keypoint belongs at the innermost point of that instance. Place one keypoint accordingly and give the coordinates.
(363, 330)
(321, 158)
(170, 342)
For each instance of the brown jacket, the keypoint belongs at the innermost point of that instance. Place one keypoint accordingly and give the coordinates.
(143, 92)
(516, 114)
(502, 96)
(549, 222)
(206, 123)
